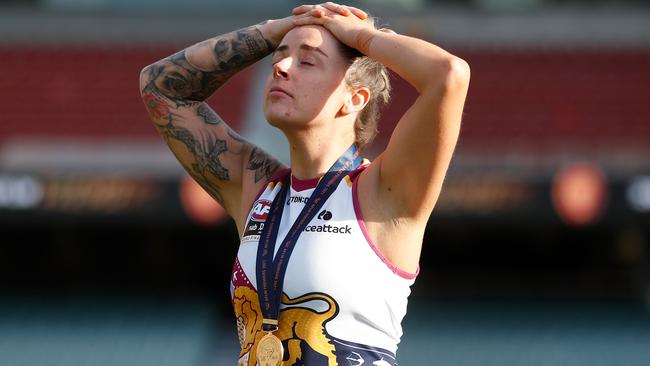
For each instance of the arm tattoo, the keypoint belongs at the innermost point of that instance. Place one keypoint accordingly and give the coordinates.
(206, 153)
(177, 79)
(208, 115)
(173, 83)
(263, 165)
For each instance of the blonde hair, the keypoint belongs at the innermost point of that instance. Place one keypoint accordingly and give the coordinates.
(366, 72)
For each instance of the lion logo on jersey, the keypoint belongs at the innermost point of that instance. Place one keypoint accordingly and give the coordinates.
(302, 329)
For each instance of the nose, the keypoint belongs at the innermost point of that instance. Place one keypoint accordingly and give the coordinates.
(281, 68)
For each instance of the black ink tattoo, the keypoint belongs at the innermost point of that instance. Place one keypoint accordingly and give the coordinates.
(206, 156)
(184, 85)
(211, 164)
(208, 115)
(263, 165)
(178, 80)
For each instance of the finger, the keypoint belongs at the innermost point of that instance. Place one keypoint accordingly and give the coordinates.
(301, 9)
(346, 10)
(336, 8)
(358, 12)
(318, 13)
(309, 21)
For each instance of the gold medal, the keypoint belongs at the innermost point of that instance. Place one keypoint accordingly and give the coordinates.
(269, 351)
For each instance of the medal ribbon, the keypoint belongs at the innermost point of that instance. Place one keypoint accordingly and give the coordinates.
(270, 271)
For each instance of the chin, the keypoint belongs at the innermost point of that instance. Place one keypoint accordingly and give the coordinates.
(279, 117)
(275, 122)
(285, 124)
(278, 121)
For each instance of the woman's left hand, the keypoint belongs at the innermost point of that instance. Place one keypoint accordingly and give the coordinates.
(346, 23)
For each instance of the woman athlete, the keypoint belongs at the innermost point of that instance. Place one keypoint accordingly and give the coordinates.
(330, 248)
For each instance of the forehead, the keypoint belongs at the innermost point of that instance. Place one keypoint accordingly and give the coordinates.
(312, 35)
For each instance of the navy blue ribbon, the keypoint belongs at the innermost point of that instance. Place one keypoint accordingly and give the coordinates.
(270, 271)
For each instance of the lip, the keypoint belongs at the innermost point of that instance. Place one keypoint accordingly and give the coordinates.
(277, 90)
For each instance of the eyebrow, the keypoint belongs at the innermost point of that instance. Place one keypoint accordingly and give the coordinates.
(303, 46)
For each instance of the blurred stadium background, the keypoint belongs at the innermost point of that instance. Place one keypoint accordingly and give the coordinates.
(537, 253)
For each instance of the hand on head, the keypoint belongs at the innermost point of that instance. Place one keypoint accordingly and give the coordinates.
(332, 7)
(348, 24)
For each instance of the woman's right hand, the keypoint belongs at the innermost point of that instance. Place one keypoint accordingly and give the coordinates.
(274, 30)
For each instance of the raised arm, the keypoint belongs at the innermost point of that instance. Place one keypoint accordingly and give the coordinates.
(410, 172)
(174, 90)
(421, 146)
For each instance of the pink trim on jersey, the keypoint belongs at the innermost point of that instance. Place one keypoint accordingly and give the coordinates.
(364, 229)
(299, 185)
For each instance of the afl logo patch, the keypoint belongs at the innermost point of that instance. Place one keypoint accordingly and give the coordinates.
(261, 210)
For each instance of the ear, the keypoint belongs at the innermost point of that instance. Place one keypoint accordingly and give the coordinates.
(357, 100)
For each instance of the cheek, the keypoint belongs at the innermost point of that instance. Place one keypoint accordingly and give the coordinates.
(331, 98)
(320, 95)
(313, 94)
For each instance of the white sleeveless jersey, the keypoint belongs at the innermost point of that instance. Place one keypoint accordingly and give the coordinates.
(343, 301)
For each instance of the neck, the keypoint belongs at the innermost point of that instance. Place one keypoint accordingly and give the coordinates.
(312, 156)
